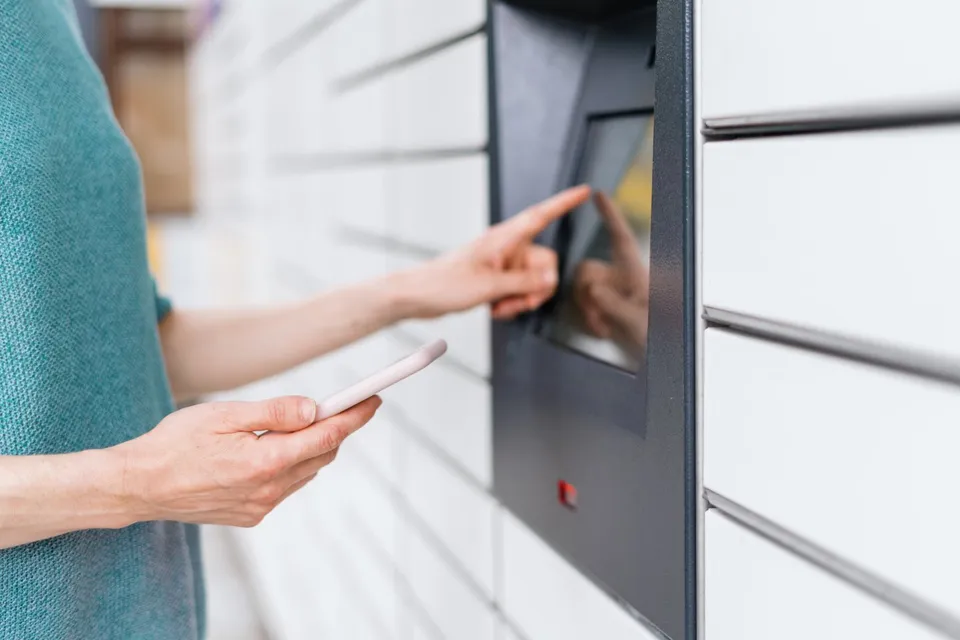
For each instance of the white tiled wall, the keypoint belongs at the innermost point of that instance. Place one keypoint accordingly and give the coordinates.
(310, 179)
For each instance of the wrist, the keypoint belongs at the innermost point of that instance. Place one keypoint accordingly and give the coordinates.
(119, 488)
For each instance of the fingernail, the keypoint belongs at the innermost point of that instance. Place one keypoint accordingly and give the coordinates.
(308, 410)
(550, 277)
(378, 401)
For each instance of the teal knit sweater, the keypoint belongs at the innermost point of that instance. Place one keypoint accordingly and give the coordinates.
(80, 360)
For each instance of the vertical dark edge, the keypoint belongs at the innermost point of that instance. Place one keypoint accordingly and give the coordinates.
(493, 186)
(493, 138)
(690, 259)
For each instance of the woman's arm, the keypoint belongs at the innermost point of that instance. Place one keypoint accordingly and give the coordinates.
(45, 496)
(207, 351)
(203, 464)
(216, 351)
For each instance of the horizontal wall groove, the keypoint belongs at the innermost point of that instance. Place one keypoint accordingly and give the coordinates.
(307, 162)
(312, 28)
(236, 82)
(900, 599)
(886, 356)
(405, 592)
(386, 243)
(354, 582)
(380, 69)
(409, 427)
(837, 120)
(411, 517)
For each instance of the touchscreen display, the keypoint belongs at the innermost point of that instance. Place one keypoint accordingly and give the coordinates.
(601, 307)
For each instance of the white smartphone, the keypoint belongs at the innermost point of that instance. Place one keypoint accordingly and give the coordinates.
(386, 377)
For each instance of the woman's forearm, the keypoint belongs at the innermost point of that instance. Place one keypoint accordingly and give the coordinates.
(209, 351)
(46, 496)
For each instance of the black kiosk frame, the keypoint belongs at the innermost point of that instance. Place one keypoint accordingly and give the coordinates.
(623, 440)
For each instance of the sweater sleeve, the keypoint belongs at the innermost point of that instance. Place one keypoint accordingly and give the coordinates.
(162, 303)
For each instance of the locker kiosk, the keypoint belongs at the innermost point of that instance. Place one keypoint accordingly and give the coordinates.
(594, 428)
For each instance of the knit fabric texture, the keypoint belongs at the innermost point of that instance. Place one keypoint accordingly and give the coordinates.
(80, 360)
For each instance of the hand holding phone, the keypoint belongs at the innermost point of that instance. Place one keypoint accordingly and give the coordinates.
(386, 377)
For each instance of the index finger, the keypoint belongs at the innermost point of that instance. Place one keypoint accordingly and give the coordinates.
(621, 235)
(527, 224)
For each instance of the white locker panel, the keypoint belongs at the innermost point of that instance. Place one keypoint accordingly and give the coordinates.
(857, 459)
(413, 25)
(848, 233)
(506, 633)
(785, 60)
(357, 39)
(440, 101)
(359, 120)
(377, 442)
(451, 408)
(357, 199)
(413, 625)
(757, 591)
(459, 514)
(456, 609)
(439, 204)
(547, 599)
(370, 503)
(467, 334)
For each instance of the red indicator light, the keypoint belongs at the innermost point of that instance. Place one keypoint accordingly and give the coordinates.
(567, 494)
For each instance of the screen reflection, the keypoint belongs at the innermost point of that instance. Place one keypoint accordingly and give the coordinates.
(601, 310)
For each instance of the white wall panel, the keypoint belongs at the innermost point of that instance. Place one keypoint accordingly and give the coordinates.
(848, 233)
(547, 598)
(789, 60)
(855, 458)
(757, 591)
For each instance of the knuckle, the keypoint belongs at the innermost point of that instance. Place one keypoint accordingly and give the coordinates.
(269, 496)
(277, 411)
(269, 464)
(331, 438)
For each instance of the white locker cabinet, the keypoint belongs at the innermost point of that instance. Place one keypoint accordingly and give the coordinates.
(459, 514)
(779, 61)
(853, 234)
(547, 599)
(857, 459)
(757, 591)
(315, 174)
(451, 603)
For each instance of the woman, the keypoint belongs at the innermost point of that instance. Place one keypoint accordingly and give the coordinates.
(101, 483)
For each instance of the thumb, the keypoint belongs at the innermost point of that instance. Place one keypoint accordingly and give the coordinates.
(519, 282)
(289, 413)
